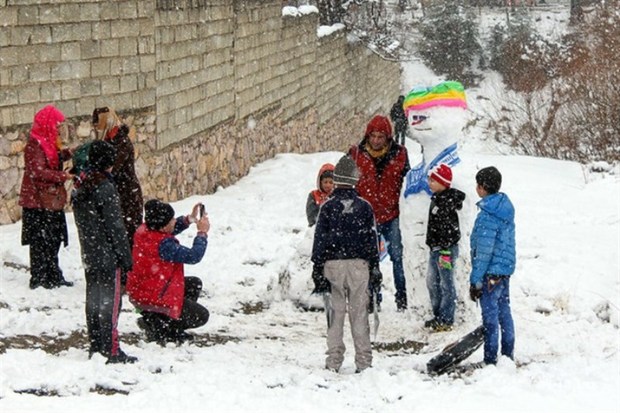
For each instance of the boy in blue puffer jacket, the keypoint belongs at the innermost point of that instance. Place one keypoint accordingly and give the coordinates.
(493, 262)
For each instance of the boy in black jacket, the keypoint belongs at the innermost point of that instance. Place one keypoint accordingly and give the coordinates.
(105, 251)
(442, 237)
(344, 254)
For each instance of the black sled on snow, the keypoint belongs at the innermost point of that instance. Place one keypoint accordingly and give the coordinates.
(456, 352)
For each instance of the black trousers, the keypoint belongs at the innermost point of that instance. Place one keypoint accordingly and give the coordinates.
(103, 305)
(193, 315)
(44, 231)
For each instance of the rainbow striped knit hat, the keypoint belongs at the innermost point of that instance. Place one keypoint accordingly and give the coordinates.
(448, 93)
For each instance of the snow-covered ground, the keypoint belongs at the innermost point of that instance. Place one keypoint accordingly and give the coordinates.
(565, 297)
(261, 352)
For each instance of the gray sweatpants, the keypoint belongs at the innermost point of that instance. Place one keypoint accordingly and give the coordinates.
(349, 280)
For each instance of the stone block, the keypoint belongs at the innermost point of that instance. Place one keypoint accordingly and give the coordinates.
(128, 9)
(110, 47)
(50, 91)
(5, 163)
(110, 86)
(39, 73)
(70, 89)
(6, 117)
(71, 70)
(8, 180)
(90, 87)
(84, 107)
(184, 33)
(128, 46)
(17, 147)
(27, 15)
(90, 49)
(100, 30)
(109, 11)
(70, 12)
(146, 9)
(100, 67)
(28, 93)
(23, 114)
(123, 28)
(147, 63)
(128, 83)
(89, 11)
(146, 45)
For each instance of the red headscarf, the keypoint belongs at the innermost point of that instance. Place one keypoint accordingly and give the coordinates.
(45, 131)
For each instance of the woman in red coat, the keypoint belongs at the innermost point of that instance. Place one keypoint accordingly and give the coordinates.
(43, 197)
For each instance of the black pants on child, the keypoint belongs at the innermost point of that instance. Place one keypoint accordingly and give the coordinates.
(193, 315)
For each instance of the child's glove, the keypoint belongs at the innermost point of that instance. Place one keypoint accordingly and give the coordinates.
(321, 284)
(374, 280)
(445, 259)
(475, 293)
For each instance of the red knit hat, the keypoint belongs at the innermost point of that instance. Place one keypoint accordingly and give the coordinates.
(442, 174)
(379, 124)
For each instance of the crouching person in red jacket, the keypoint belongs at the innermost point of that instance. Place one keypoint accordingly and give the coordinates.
(157, 284)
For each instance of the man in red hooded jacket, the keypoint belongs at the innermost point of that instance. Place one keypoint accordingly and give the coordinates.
(383, 164)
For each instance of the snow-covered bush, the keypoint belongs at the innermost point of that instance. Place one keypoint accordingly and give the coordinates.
(568, 100)
(449, 43)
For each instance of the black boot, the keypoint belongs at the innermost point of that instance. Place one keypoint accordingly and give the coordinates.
(401, 302)
(121, 358)
(154, 326)
(181, 337)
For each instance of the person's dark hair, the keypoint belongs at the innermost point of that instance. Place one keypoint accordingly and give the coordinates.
(490, 179)
(157, 214)
(101, 155)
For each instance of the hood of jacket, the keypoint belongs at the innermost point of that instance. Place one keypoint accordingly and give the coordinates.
(498, 205)
(45, 131)
(326, 167)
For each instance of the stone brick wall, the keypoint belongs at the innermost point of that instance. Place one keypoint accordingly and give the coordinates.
(76, 54)
(211, 88)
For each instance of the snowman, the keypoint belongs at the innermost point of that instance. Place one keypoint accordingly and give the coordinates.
(436, 116)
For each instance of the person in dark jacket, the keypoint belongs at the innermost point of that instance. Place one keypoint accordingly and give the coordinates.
(157, 284)
(316, 198)
(43, 197)
(344, 253)
(493, 259)
(442, 236)
(105, 251)
(399, 119)
(108, 127)
(383, 164)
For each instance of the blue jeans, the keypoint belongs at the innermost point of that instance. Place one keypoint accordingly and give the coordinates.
(440, 283)
(391, 232)
(495, 304)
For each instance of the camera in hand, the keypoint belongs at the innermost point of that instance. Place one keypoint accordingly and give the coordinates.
(202, 211)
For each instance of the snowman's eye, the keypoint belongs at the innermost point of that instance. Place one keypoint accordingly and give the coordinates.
(419, 118)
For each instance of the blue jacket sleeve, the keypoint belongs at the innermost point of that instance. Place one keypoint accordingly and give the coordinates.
(171, 250)
(181, 225)
(483, 238)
